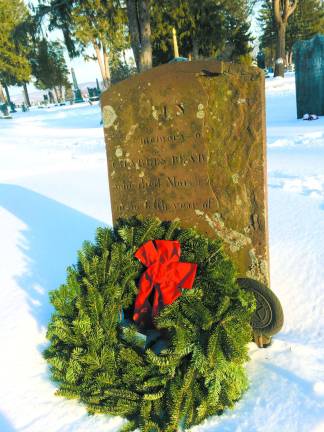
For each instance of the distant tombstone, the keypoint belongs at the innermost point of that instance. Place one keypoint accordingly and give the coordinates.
(12, 107)
(309, 67)
(51, 97)
(261, 60)
(77, 92)
(4, 109)
(94, 93)
(187, 140)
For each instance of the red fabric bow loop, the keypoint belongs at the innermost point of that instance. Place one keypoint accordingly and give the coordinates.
(165, 274)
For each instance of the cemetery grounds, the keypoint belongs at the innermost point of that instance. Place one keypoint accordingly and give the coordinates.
(54, 193)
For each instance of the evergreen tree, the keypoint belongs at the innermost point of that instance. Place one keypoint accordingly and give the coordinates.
(58, 16)
(121, 70)
(14, 65)
(49, 67)
(208, 28)
(268, 32)
(101, 24)
(97, 23)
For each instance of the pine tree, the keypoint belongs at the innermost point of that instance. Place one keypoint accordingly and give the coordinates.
(268, 32)
(100, 24)
(14, 65)
(97, 355)
(49, 67)
(208, 28)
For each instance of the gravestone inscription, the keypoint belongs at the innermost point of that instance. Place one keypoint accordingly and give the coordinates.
(187, 141)
(309, 64)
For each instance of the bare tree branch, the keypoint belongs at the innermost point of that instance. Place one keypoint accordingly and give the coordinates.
(276, 11)
(291, 8)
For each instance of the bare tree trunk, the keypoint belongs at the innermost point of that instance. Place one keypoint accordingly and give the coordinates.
(2, 96)
(145, 35)
(7, 93)
(101, 64)
(282, 10)
(280, 51)
(124, 56)
(140, 33)
(134, 30)
(195, 49)
(56, 94)
(26, 95)
(106, 65)
(60, 92)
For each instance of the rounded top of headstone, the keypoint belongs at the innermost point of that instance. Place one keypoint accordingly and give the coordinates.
(207, 68)
(308, 44)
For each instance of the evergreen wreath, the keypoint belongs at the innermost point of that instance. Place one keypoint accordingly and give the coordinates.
(97, 355)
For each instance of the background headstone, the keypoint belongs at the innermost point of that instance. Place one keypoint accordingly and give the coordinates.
(77, 92)
(309, 67)
(187, 141)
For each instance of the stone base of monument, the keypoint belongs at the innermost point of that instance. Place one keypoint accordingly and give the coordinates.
(187, 141)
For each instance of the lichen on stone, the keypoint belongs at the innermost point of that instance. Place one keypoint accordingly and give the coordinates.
(235, 178)
(234, 239)
(258, 269)
(155, 114)
(108, 116)
(201, 111)
(131, 132)
(119, 152)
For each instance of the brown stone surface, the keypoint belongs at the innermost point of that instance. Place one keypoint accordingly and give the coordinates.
(189, 144)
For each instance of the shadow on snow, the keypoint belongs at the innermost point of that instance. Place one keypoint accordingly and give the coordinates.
(5, 425)
(53, 235)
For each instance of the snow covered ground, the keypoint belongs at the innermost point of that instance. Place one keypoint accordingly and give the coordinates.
(53, 194)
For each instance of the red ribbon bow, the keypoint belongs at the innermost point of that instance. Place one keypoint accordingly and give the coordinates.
(164, 273)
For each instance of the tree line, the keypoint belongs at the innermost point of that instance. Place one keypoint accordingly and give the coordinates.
(208, 28)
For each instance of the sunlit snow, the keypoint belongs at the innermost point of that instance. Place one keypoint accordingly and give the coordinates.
(54, 193)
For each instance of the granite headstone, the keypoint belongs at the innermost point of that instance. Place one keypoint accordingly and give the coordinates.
(187, 141)
(309, 70)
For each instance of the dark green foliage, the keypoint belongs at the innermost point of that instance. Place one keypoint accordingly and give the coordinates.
(14, 64)
(206, 28)
(98, 361)
(49, 66)
(121, 70)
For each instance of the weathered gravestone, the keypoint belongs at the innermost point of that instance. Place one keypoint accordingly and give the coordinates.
(309, 65)
(187, 141)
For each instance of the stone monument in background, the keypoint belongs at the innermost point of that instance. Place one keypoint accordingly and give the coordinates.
(309, 66)
(187, 141)
(77, 92)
